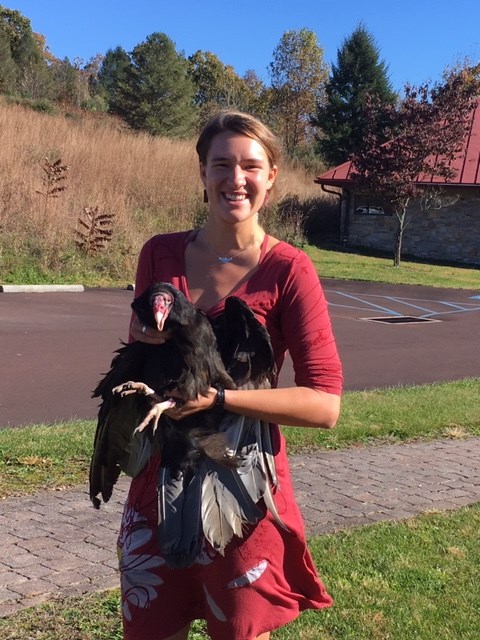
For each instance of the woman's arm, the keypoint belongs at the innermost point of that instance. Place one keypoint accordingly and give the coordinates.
(291, 406)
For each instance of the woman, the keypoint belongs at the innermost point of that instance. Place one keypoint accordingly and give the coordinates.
(266, 578)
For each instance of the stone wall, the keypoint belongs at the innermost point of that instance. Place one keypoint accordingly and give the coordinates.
(451, 233)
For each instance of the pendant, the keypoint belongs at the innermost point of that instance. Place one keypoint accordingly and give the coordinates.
(224, 260)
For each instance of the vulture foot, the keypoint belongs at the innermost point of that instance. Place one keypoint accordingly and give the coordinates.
(127, 388)
(155, 413)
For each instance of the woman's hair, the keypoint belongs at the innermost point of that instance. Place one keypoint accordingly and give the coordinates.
(243, 124)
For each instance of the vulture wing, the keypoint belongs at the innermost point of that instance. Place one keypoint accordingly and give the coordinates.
(188, 362)
(217, 501)
(217, 469)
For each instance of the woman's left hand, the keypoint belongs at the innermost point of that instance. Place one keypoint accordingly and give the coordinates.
(201, 403)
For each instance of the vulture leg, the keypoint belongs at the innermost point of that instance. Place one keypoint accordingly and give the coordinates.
(155, 414)
(158, 407)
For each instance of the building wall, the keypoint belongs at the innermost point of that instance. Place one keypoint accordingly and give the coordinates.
(451, 233)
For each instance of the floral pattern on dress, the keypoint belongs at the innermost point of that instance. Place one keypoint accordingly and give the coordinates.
(138, 577)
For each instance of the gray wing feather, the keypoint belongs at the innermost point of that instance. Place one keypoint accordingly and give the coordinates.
(250, 440)
(179, 523)
(221, 516)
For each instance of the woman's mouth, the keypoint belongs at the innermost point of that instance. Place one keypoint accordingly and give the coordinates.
(235, 197)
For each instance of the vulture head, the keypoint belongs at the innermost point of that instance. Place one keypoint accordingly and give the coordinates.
(164, 307)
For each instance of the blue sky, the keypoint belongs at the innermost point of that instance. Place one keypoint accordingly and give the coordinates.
(416, 38)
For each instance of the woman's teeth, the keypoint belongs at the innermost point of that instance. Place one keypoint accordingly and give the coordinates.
(235, 197)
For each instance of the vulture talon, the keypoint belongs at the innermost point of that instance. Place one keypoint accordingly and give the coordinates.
(127, 388)
(155, 414)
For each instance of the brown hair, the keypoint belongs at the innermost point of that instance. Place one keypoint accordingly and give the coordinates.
(243, 124)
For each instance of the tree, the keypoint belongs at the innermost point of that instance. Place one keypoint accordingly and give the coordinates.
(18, 30)
(32, 78)
(258, 103)
(218, 86)
(428, 128)
(8, 68)
(340, 118)
(112, 81)
(158, 93)
(298, 74)
(70, 87)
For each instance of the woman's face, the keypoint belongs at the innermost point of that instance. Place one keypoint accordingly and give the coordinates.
(237, 176)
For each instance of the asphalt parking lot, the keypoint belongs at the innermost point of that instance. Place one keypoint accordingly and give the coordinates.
(55, 346)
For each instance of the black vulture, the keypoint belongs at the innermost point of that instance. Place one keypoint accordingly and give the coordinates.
(216, 467)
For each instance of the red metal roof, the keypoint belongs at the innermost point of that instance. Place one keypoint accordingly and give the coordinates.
(466, 165)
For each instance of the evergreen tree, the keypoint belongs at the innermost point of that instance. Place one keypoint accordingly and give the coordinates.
(158, 95)
(112, 81)
(358, 72)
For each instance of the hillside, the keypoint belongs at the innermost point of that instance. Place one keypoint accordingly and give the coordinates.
(148, 185)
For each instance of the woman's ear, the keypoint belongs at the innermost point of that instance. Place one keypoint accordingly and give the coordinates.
(203, 174)
(272, 176)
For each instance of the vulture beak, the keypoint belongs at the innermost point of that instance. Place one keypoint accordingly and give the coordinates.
(162, 305)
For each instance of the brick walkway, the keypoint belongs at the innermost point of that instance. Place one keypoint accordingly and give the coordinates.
(55, 543)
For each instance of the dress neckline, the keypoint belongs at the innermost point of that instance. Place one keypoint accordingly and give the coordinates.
(190, 237)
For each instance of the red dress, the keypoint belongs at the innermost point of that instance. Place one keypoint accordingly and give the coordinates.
(267, 577)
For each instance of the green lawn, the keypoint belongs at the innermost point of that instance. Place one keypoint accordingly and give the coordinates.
(412, 580)
(57, 456)
(355, 266)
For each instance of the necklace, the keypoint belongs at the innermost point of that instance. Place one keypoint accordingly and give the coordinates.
(227, 259)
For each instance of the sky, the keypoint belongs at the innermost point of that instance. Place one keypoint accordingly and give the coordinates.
(417, 39)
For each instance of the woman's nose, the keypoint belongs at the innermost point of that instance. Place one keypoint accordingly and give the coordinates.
(238, 176)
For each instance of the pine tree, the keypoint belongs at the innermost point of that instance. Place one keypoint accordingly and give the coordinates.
(159, 92)
(112, 80)
(357, 73)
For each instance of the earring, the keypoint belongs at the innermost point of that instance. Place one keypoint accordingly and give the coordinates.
(266, 202)
(205, 196)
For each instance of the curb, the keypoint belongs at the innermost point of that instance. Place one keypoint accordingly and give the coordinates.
(40, 288)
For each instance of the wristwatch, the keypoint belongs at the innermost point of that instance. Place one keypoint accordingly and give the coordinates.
(220, 399)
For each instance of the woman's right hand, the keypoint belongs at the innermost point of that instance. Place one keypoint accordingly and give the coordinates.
(144, 333)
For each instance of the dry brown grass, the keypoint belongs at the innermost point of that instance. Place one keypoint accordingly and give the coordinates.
(149, 184)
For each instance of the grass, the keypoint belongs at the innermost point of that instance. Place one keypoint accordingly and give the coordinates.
(353, 266)
(149, 188)
(70, 267)
(410, 580)
(57, 456)
(149, 184)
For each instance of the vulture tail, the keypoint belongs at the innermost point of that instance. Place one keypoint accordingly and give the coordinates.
(179, 522)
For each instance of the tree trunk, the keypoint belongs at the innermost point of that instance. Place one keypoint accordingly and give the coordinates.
(397, 252)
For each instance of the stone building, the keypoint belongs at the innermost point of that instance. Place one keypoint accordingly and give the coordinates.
(449, 231)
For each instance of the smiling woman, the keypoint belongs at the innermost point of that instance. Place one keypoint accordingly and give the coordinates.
(266, 575)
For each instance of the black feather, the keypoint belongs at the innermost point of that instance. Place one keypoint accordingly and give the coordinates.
(217, 469)
(190, 363)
